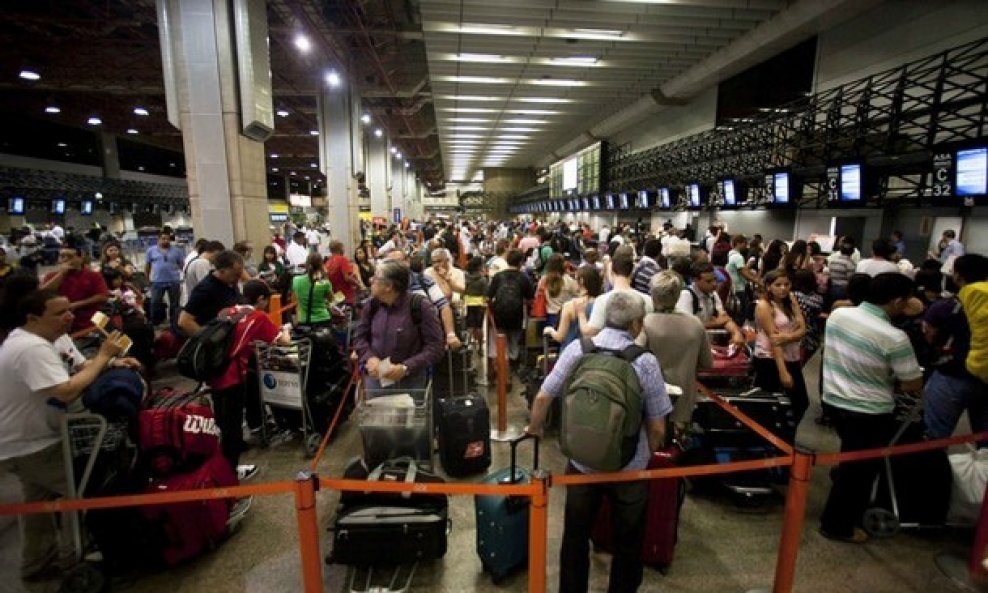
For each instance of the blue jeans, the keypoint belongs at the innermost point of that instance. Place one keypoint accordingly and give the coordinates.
(947, 397)
(158, 292)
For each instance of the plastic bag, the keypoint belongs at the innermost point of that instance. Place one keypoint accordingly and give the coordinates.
(970, 470)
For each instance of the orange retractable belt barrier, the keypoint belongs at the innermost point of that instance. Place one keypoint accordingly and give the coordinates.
(743, 418)
(835, 458)
(354, 377)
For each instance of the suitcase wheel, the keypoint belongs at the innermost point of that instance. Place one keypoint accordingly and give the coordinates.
(84, 578)
(880, 522)
(312, 444)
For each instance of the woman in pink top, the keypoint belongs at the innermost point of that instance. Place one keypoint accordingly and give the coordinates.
(780, 330)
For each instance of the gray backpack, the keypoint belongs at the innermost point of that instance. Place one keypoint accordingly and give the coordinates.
(602, 408)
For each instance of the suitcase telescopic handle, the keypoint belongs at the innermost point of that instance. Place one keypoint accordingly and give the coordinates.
(514, 453)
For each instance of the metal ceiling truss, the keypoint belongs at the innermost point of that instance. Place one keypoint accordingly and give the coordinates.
(892, 121)
(40, 185)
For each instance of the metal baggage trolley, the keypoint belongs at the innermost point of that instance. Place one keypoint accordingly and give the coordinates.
(396, 423)
(84, 437)
(282, 375)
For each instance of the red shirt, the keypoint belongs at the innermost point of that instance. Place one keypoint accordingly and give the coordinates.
(338, 271)
(79, 286)
(255, 326)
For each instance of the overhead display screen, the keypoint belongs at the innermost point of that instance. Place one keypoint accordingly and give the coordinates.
(58, 206)
(642, 201)
(850, 183)
(730, 199)
(570, 169)
(780, 188)
(664, 201)
(610, 201)
(596, 202)
(972, 172)
(15, 206)
(623, 201)
(87, 207)
(693, 191)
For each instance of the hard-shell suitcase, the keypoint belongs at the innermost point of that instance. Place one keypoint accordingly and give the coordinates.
(502, 521)
(665, 498)
(386, 528)
(721, 429)
(464, 435)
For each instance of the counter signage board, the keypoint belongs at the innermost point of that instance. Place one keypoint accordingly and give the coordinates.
(833, 184)
(942, 183)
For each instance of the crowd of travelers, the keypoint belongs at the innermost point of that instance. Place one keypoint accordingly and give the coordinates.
(884, 326)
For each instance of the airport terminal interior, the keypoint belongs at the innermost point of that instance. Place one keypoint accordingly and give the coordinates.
(244, 120)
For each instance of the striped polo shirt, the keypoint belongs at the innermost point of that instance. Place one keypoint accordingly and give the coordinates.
(864, 357)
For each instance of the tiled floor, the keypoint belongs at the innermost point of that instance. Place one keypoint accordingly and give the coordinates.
(720, 549)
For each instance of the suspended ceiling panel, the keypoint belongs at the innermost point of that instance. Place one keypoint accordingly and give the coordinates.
(513, 78)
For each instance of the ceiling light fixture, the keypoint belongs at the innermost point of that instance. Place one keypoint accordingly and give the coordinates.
(484, 58)
(598, 32)
(282, 113)
(489, 29)
(274, 155)
(393, 150)
(398, 155)
(333, 79)
(52, 109)
(132, 131)
(302, 43)
(313, 132)
(574, 61)
(518, 129)
(513, 137)
(94, 121)
(61, 145)
(474, 79)
(471, 128)
(313, 165)
(556, 82)
(484, 98)
(532, 112)
(29, 75)
(470, 109)
(471, 120)
(378, 133)
(274, 169)
(542, 100)
(140, 111)
(525, 121)
(365, 118)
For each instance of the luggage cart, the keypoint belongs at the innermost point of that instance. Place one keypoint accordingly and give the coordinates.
(396, 423)
(84, 437)
(878, 520)
(344, 320)
(282, 375)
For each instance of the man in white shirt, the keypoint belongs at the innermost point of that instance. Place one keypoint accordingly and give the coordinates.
(701, 299)
(58, 232)
(296, 253)
(622, 266)
(43, 372)
(498, 263)
(198, 268)
(312, 237)
(604, 234)
(880, 261)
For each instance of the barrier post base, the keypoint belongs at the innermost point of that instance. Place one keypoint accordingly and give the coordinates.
(956, 569)
(508, 434)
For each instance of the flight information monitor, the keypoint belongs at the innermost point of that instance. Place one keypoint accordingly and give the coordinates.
(972, 172)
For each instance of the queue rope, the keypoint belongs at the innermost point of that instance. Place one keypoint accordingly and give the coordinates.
(746, 420)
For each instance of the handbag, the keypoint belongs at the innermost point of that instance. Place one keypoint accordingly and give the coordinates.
(539, 304)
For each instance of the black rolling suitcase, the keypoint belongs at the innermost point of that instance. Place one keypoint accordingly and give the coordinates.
(464, 435)
(387, 529)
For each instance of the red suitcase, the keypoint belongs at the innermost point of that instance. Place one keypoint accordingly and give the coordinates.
(665, 497)
(731, 365)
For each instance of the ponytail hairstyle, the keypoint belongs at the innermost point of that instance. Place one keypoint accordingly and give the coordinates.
(313, 266)
(554, 270)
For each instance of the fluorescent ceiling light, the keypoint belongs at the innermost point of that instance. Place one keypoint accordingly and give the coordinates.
(556, 82)
(333, 79)
(513, 137)
(140, 111)
(470, 109)
(489, 29)
(378, 133)
(467, 136)
(532, 112)
(407, 165)
(29, 75)
(274, 155)
(94, 121)
(472, 98)
(398, 155)
(365, 118)
(313, 165)
(132, 131)
(483, 58)
(574, 61)
(524, 121)
(474, 79)
(282, 113)
(598, 32)
(62, 145)
(542, 100)
(518, 129)
(52, 109)
(313, 132)
(393, 149)
(302, 43)
(471, 128)
(274, 169)
(471, 120)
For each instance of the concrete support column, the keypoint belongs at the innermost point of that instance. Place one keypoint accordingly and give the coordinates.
(201, 51)
(378, 159)
(399, 184)
(341, 160)
(110, 155)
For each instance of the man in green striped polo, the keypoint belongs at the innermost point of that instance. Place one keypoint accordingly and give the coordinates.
(865, 357)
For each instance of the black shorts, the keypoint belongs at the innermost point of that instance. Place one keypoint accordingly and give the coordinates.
(475, 317)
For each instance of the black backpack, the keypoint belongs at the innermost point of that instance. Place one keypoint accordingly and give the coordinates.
(509, 302)
(206, 355)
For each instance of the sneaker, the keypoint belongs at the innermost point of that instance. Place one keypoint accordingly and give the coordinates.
(246, 473)
(858, 536)
(238, 512)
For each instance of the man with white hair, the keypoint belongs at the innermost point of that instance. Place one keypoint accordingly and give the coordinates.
(450, 279)
(624, 322)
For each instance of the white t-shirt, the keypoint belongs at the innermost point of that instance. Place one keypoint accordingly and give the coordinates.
(497, 264)
(195, 271)
(312, 237)
(29, 365)
(598, 317)
(707, 304)
(874, 267)
(296, 255)
(188, 259)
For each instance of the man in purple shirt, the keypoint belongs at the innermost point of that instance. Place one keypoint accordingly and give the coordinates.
(388, 330)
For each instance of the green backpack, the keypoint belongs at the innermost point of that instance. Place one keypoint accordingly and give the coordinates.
(602, 408)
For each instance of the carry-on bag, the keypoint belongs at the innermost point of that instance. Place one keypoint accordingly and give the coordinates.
(385, 528)
(665, 499)
(464, 435)
(502, 521)
(191, 528)
(731, 366)
(177, 431)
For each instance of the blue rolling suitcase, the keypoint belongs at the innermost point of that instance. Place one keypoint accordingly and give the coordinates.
(502, 521)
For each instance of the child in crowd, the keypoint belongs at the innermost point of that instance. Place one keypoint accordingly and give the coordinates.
(123, 293)
(475, 297)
